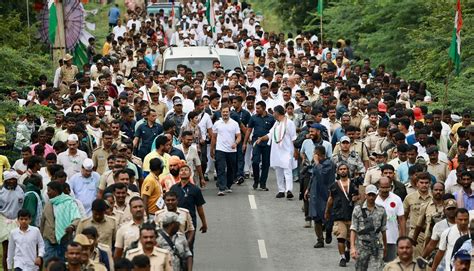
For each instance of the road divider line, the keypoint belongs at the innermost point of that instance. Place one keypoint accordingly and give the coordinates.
(262, 249)
(253, 203)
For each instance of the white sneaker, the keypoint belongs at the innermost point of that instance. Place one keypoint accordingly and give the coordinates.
(220, 193)
(228, 190)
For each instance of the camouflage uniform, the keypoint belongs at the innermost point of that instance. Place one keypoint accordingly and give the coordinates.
(353, 160)
(182, 249)
(368, 244)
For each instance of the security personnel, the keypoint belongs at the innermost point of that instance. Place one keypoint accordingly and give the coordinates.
(171, 201)
(373, 137)
(405, 260)
(368, 223)
(175, 242)
(160, 259)
(356, 145)
(105, 225)
(374, 173)
(87, 262)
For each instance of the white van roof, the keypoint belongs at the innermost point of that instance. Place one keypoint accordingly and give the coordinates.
(195, 52)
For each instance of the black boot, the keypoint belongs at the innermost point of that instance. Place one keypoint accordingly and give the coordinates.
(318, 229)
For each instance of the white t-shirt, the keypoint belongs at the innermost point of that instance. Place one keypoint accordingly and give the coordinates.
(446, 243)
(19, 165)
(439, 228)
(226, 132)
(393, 208)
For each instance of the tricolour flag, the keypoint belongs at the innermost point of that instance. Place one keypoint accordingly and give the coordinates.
(455, 48)
(53, 21)
(210, 15)
(320, 7)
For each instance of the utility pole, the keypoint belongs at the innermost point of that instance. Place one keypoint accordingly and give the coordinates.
(59, 47)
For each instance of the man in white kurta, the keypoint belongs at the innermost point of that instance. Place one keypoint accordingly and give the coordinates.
(281, 137)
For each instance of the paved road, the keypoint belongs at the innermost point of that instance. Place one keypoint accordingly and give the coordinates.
(239, 237)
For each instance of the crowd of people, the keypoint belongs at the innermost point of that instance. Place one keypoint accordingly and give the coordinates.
(114, 181)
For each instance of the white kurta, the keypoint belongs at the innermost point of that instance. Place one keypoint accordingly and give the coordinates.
(282, 152)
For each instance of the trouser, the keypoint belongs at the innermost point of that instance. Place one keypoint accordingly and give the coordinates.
(366, 259)
(391, 253)
(203, 156)
(225, 169)
(248, 158)
(261, 154)
(240, 161)
(304, 183)
(210, 163)
(284, 178)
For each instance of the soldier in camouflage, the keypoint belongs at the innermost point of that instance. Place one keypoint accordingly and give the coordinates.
(368, 224)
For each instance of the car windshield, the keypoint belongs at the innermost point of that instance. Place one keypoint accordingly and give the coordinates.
(196, 64)
(229, 62)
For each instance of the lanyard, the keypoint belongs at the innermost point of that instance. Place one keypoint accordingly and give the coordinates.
(344, 190)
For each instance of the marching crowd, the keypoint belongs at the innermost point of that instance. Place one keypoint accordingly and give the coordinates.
(114, 181)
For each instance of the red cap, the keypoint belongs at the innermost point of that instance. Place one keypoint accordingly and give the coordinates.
(382, 107)
(417, 113)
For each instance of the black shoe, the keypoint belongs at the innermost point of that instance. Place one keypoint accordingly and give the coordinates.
(347, 254)
(319, 244)
(247, 175)
(342, 263)
(264, 188)
(289, 195)
(255, 186)
(280, 195)
(328, 237)
(240, 180)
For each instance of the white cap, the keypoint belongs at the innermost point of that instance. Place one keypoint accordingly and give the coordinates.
(10, 174)
(72, 137)
(88, 164)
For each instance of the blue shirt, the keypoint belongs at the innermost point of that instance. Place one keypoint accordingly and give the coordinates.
(338, 133)
(147, 134)
(402, 172)
(114, 15)
(468, 199)
(85, 189)
(261, 125)
(243, 116)
(411, 139)
(309, 145)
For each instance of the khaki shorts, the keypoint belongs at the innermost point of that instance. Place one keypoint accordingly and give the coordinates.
(341, 229)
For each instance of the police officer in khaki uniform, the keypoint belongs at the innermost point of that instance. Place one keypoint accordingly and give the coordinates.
(413, 205)
(102, 153)
(436, 167)
(67, 74)
(405, 260)
(86, 249)
(374, 173)
(186, 227)
(105, 225)
(160, 259)
(372, 138)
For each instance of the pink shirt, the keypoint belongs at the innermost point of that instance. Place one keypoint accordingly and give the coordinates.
(47, 149)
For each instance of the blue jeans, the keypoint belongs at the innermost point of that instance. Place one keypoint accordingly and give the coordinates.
(261, 153)
(240, 161)
(226, 163)
(53, 250)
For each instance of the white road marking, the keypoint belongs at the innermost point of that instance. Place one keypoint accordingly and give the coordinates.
(253, 203)
(263, 249)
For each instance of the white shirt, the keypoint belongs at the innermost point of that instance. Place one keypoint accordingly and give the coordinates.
(393, 208)
(119, 31)
(22, 248)
(439, 228)
(446, 243)
(71, 164)
(19, 165)
(226, 134)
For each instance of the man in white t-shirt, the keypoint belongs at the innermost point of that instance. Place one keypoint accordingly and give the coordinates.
(448, 239)
(225, 138)
(395, 216)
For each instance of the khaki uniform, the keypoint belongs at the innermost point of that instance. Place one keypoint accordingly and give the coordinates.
(371, 141)
(95, 255)
(383, 145)
(67, 75)
(185, 219)
(430, 215)
(106, 179)
(99, 156)
(373, 175)
(106, 229)
(127, 234)
(160, 259)
(161, 110)
(96, 266)
(396, 265)
(357, 146)
(439, 169)
(357, 119)
(413, 204)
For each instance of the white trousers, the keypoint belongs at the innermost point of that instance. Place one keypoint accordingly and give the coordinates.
(248, 159)
(284, 178)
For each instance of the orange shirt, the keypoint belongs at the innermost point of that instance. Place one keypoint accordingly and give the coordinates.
(152, 188)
